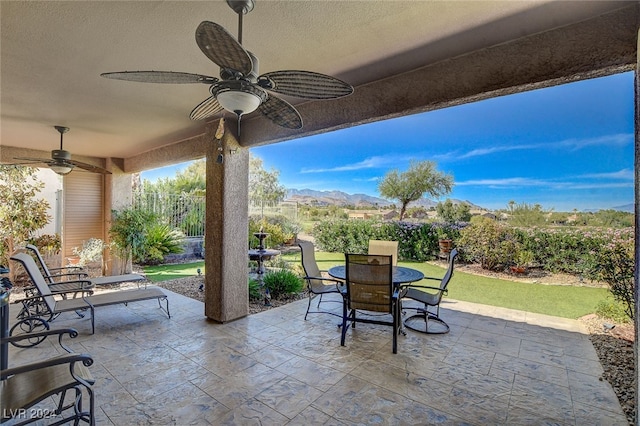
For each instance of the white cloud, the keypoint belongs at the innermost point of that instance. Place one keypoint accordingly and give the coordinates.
(569, 144)
(368, 163)
(506, 182)
(373, 179)
(625, 174)
(519, 182)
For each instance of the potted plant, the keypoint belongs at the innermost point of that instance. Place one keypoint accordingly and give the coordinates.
(91, 251)
(445, 242)
(523, 260)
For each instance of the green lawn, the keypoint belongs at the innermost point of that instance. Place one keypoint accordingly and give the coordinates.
(171, 272)
(560, 301)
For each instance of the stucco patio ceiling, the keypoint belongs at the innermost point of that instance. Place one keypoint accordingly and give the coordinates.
(401, 56)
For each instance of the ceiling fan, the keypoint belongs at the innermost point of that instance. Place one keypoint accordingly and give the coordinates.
(240, 89)
(60, 161)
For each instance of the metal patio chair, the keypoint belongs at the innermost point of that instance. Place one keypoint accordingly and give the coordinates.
(384, 247)
(370, 289)
(317, 284)
(64, 377)
(426, 321)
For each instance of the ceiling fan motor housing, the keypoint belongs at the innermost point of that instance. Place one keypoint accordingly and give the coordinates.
(230, 74)
(60, 154)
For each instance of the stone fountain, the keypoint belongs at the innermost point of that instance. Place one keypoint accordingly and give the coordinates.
(260, 255)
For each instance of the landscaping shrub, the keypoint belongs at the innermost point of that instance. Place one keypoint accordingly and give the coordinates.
(47, 243)
(282, 283)
(139, 235)
(276, 236)
(345, 236)
(128, 232)
(614, 264)
(91, 251)
(558, 249)
(489, 243)
(416, 241)
(255, 292)
(160, 240)
(612, 310)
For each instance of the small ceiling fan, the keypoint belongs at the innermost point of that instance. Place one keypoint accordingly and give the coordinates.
(60, 161)
(241, 89)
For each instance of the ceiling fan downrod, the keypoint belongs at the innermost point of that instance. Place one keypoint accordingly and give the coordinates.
(62, 131)
(241, 7)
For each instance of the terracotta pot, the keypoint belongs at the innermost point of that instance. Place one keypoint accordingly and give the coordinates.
(445, 245)
(73, 260)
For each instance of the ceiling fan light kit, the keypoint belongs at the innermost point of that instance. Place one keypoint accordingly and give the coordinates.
(240, 89)
(238, 96)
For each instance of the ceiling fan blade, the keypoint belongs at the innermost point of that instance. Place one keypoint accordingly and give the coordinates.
(35, 160)
(305, 84)
(206, 108)
(169, 77)
(89, 167)
(281, 112)
(30, 162)
(222, 48)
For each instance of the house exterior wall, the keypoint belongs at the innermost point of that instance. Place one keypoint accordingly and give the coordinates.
(51, 193)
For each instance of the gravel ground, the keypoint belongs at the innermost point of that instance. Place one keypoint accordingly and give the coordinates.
(614, 346)
(615, 350)
(189, 287)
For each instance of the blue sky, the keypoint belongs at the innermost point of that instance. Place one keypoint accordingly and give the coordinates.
(566, 147)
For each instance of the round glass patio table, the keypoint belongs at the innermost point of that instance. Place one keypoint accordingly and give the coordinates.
(401, 274)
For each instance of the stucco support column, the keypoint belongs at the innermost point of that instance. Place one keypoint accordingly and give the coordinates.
(226, 229)
(636, 275)
(118, 193)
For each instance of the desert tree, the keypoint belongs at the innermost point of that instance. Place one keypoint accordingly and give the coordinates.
(264, 185)
(422, 178)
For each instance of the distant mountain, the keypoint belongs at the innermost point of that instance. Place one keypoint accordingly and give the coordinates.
(629, 208)
(339, 198)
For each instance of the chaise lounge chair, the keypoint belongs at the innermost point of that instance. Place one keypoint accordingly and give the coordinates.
(54, 307)
(75, 273)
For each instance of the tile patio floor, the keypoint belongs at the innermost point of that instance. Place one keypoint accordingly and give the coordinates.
(496, 366)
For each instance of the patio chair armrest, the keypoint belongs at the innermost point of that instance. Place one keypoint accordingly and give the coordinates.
(69, 268)
(71, 359)
(39, 296)
(79, 275)
(85, 285)
(332, 280)
(426, 287)
(28, 299)
(72, 332)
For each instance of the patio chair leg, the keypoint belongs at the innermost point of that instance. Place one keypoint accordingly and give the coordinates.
(309, 307)
(166, 310)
